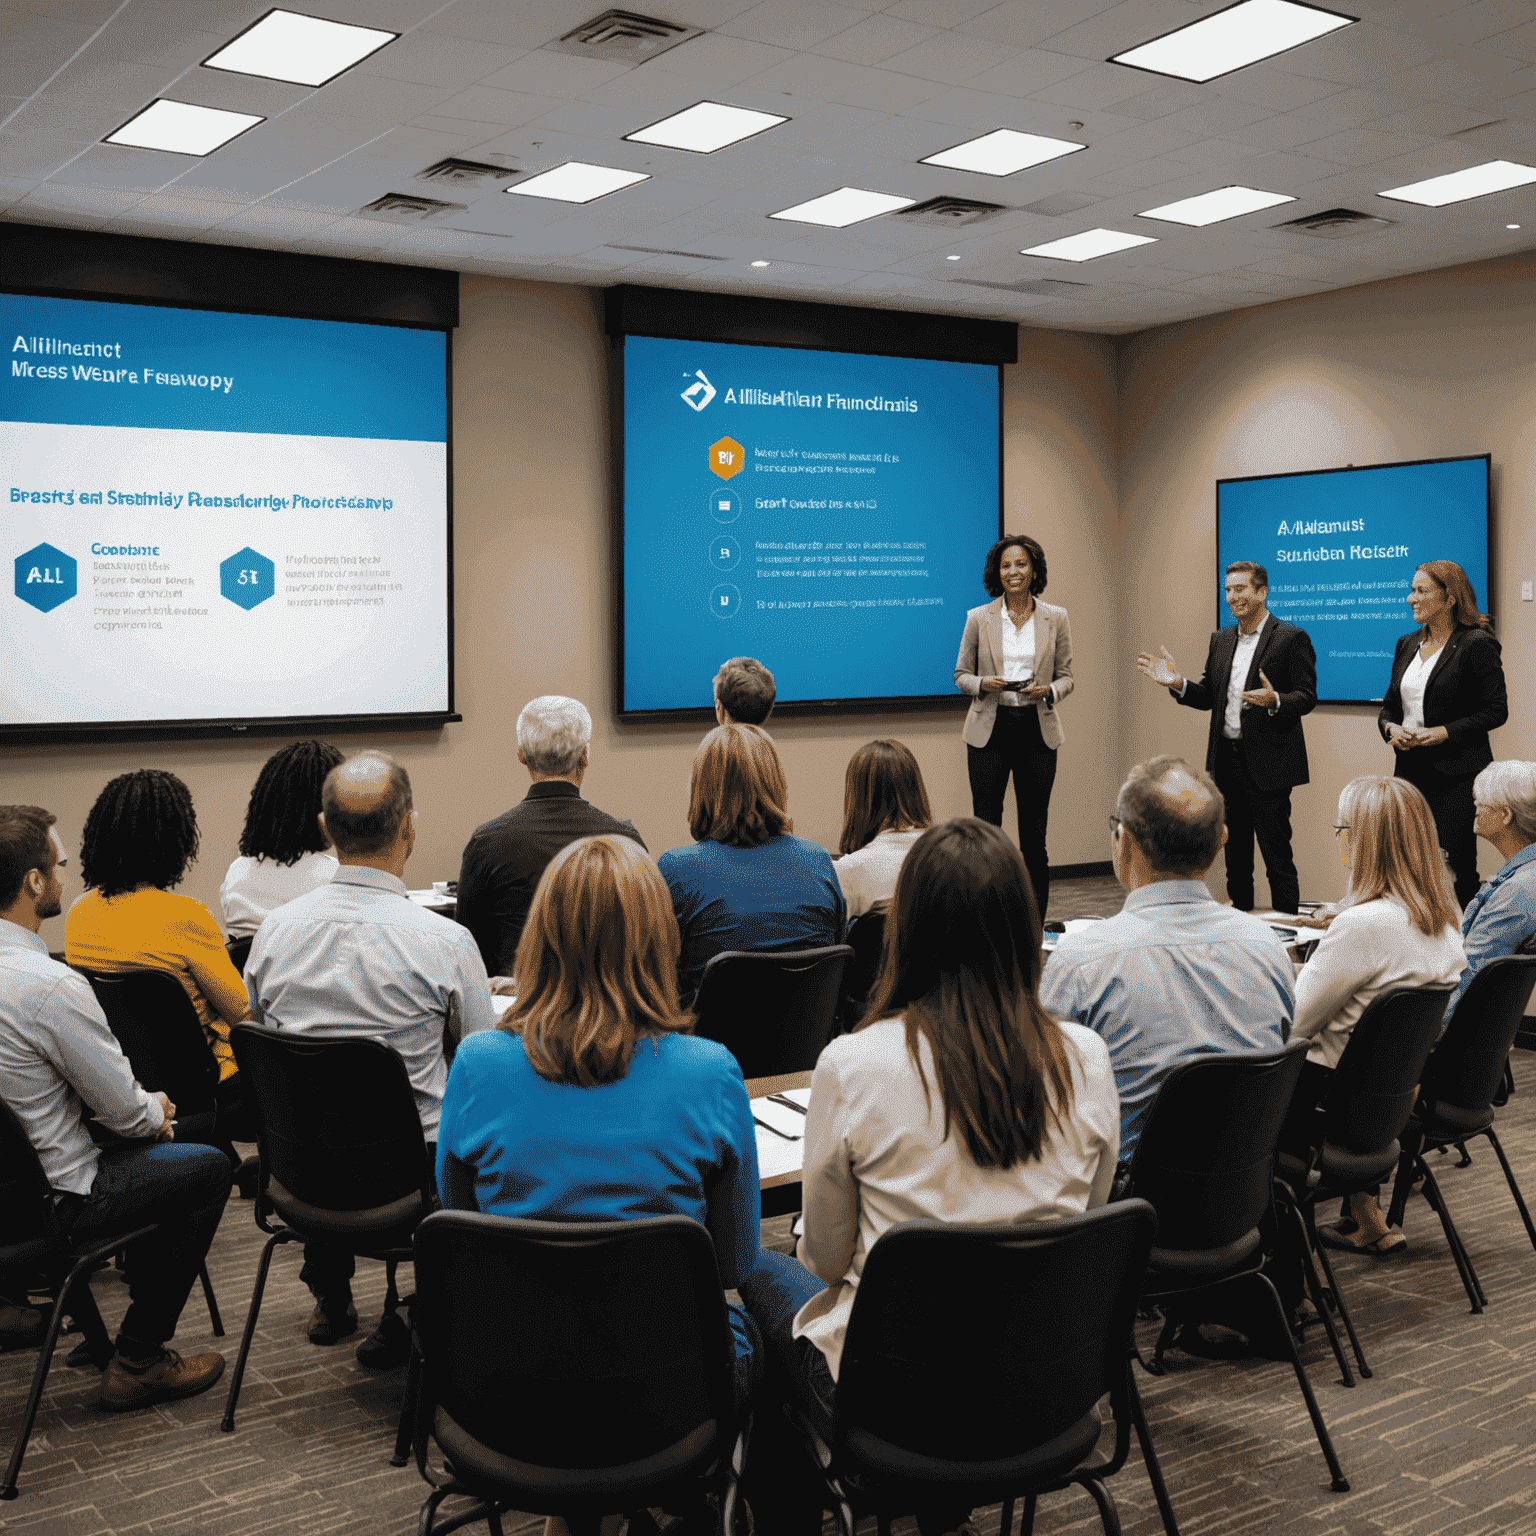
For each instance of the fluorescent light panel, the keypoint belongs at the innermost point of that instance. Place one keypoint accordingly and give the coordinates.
(1089, 245)
(1003, 152)
(706, 127)
(306, 50)
(1234, 38)
(1213, 207)
(848, 205)
(577, 182)
(181, 128)
(1477, 181)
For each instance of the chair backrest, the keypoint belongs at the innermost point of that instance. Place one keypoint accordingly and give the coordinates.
(1467, 1067)
(774, 1010)
(976, 1343)
(1376, 1081)
(1205, 1158)
(240, 951)
(155, 1023)
(866, 938)
(576, 1345)
(336, 1125)
(26, 1202)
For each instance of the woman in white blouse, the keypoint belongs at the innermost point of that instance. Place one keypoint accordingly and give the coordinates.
(1396, 927)
(283, 852)
(885, 811)
(1016, 664)
(960, 1099)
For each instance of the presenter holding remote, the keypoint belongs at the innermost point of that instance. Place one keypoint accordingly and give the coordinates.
(1446, 694)
(1260, 678)
(1016, 663)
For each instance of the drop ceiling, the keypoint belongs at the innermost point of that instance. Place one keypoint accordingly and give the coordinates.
(1417, 89)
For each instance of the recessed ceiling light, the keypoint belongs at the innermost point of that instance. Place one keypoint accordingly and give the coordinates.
(1511, 226)
(577, 182)
(1232, 39)
(181, 128)
(759, 263)
(951, 258)
(1478, 181)
(306, 50)
(1088, 245)
(848, 205)
(706, 127)
(1003, 152)
(1213, 207)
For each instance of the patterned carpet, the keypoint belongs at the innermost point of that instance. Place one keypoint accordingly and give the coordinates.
(1439, 1443)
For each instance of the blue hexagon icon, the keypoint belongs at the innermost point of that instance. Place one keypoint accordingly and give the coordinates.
(45, 577)
(247, 578)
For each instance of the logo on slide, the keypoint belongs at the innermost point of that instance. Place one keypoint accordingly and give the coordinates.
(45, 577)
(247, 578)
(726, 458)
(700, 392)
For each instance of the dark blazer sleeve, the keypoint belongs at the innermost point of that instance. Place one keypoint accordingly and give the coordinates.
(1391, 712)
(1202, 695)
(1296, 663)
(1469, 698)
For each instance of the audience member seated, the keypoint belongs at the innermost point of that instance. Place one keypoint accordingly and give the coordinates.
(592, 1102)
(57, 1058)
(140, 838)
(1501, 918)
(504, 858)
(359, 957)
(1172, 975)
(744, 692)
(957, 1099)
(283, 852)
(746, 883)
(1396, 927)
(885, 811)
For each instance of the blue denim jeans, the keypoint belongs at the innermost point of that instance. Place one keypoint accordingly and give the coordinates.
(180, 1187)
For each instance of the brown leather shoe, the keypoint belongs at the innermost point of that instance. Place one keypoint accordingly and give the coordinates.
(127, 1385)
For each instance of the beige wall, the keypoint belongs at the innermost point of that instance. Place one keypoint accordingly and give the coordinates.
(1428, 366)
(534, 608)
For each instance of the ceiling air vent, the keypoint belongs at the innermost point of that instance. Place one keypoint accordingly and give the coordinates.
(656, 250)
(948, 212)
(397, 206)
(1337, 224)
(466, 173)
(1046, 288)
(626, 37)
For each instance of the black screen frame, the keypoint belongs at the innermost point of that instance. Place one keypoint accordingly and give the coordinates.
(681, 316)
(1223, 613)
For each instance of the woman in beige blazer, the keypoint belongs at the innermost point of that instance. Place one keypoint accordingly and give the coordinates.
(1016, 663)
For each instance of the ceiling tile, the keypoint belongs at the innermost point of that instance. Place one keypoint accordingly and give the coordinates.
(853, 85)
(554, 74)
(792, 23)
(363, 98)
(1363, 146)
(874, 40)
(513, 26)
(236, 93)
(1118, 27)
(138, 38)
(1100, 85)
(1266, 86)
(822, 127)
(1029, 71)
(1021, 22)
(1216, 117)
(1359, 55)
(33, 47)
(25, 155)
(115, 165)
(1175, 96)
(1282, 131)
(69, 115)
(950, 58)
(719, 62)
(52, 194)
(433, 58)
(481, 103)
(194, 212)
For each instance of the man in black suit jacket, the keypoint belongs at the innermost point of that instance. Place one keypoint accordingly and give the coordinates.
(505, 858)
(1260, 678)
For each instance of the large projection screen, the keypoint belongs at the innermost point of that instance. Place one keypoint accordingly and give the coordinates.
(1341, 547)
(220, 517)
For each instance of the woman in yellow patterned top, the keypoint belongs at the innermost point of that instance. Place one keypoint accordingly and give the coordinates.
(139, 840)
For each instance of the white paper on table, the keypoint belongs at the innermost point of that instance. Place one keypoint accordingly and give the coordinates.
(775, 1155)
(780, 1117)
(801, 1096)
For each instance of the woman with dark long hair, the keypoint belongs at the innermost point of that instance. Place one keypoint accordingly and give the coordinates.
(885, 811)
(957, 1098)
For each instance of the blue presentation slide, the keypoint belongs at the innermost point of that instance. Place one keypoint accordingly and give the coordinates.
(1341, 547)
(220, 516)
(825, 512)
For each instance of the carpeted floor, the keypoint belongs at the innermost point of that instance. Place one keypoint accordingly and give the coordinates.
(1441, 1442)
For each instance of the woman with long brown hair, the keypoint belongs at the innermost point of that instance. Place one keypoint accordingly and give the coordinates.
(885, 811)
(957, 1098)
(1445, 695)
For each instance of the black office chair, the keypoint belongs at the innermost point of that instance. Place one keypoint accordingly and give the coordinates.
(1458, 1093)
(1205, 1161)
(342, 1159)
(1354, 1141)
(573, 1368)
(240, 950)
(974, 1362)
(31, 1242)
(774, 1010)
(866, 938)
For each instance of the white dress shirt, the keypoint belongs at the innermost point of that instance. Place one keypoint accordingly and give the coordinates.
(1018, 655)
(1242, 660)
(1411, 690)
(868, 875)
(253, 887)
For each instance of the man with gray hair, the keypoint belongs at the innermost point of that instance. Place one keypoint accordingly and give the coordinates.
(504, 859)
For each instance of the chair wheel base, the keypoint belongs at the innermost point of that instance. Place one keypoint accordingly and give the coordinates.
(1341, 1485)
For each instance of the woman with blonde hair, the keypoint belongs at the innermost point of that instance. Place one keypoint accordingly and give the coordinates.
(591, 1101)
(1396, 927)
(746, 882)
(885, 811)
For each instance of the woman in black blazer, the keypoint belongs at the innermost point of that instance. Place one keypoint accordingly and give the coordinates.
(1447, 693)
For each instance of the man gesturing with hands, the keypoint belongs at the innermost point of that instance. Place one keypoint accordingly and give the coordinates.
(1260, 678)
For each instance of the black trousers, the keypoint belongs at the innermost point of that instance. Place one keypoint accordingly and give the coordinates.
(1255, 813)
(1450, 803)
(1016, 747)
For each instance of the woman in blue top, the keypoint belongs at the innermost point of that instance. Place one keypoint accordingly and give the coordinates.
(590, 1102)
(746, 883)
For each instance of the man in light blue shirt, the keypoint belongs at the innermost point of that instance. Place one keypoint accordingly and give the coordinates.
(1173, 975)
(359, 957)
